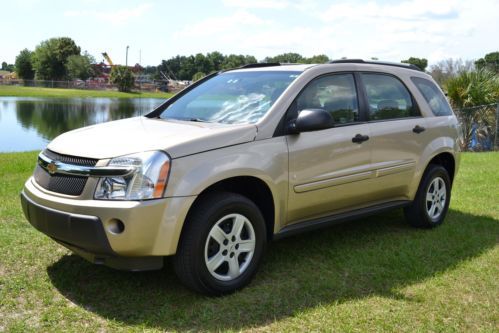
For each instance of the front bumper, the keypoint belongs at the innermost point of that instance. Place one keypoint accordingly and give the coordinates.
(84, 235)
(151, 228)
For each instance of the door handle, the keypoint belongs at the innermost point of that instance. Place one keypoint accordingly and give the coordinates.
(359, 138)
(418, 129)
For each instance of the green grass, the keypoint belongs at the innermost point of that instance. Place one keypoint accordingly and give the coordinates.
(75, 93)
(372, 275)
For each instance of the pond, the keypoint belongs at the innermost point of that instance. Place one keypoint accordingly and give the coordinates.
(30, 123)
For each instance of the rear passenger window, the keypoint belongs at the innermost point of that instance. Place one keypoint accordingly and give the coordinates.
(433, 96)
(334, 93)
(387, 97)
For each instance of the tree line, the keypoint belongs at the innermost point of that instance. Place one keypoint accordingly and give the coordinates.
(62, 59)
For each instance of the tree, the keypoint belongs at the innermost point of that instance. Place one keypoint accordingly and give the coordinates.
(80, 66)
(289, 57)
(24, 65)
(198, 76)
(449, 68)
(122, 77)
(472, 88)
(421, 63)
(50, 58)
(7, 67)
(490, 62)
(470, 92)
(318, 59)
(203, 64)
(217, 59)
(237, 60)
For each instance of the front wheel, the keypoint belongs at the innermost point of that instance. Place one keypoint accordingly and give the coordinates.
(431, 203)
(221, 245)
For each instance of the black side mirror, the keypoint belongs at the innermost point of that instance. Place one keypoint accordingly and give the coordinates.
(311, 120)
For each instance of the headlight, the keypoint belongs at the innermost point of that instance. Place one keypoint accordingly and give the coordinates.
(148, 181)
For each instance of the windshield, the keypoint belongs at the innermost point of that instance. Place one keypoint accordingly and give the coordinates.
(232, 97)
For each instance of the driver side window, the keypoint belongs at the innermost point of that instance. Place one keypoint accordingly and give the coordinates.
(334, 93)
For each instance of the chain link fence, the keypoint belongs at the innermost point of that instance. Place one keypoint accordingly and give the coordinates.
(480, 125)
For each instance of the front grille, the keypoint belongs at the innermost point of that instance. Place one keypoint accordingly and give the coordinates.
(70, 185)
(70, 159)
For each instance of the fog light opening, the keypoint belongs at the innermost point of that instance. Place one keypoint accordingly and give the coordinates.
(115, 226)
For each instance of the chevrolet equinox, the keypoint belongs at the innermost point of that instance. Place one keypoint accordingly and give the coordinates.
(243, 157)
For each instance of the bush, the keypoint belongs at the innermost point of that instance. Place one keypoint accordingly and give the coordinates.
(474, 95)
(198, 76)
(122, 77)
(473, 88)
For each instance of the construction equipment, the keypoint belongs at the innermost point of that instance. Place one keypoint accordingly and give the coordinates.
(108, 59)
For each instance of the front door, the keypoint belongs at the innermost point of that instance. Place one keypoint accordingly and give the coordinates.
(327, 170)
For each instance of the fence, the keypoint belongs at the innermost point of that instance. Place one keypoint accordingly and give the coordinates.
(80, 84)
(480, 126)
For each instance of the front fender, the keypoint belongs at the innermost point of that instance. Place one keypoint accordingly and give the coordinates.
(266, 160)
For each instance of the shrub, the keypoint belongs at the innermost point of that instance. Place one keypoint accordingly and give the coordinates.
(122, 77)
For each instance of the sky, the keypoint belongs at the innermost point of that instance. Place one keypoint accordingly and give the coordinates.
(155, 30)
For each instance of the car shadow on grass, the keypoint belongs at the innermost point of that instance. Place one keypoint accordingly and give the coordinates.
(372, 256)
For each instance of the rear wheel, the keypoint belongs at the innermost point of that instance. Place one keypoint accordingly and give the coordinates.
(221, 245)
(431, 203)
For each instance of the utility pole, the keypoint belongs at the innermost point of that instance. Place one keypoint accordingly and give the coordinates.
(126, 59)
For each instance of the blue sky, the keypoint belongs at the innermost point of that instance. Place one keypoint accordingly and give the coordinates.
(389, 30)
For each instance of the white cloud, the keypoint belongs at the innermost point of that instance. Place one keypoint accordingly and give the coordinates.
(116, 17)
(266, 4)
(222, 26)
(405, 10)
(432, 29)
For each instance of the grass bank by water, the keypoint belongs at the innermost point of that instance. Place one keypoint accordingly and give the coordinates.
(17, 91)
(372, 275)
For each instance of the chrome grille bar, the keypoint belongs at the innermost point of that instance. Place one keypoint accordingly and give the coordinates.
(56, 167)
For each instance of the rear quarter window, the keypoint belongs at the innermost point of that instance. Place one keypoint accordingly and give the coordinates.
(433, 96)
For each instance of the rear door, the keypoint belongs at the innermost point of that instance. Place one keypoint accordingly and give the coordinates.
(398, 134)
(327, 170)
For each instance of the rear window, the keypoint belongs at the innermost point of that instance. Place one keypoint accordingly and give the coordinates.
(433, 96)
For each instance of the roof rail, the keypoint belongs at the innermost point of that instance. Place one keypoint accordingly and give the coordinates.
(373, 62)
(261, 64)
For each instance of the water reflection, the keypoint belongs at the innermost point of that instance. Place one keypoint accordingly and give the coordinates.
(30, 123)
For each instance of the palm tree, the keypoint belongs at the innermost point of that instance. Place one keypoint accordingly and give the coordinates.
(475, 94)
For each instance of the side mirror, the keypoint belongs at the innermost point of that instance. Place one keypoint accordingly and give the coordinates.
(311, 120)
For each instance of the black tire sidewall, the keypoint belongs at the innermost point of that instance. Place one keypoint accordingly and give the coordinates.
(434, 172)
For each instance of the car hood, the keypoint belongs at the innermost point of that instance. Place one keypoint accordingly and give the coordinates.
(122, 137)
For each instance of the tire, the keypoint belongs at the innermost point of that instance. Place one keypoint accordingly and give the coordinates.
(430, 206)
(213, 257)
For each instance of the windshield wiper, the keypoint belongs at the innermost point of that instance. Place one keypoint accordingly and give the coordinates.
(198, 120)
(193, 119)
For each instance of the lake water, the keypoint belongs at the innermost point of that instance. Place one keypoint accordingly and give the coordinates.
(30, 123)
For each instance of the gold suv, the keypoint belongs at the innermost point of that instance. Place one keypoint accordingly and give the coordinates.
(243, 157)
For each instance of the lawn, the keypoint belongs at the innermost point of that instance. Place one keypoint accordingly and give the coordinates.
(375, 274)
(73, 93)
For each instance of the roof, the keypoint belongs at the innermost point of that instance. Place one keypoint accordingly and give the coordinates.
(375, 62)
(303, 67)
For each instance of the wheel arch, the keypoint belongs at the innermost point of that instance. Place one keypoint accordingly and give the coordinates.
(252, 188)
(446, 160)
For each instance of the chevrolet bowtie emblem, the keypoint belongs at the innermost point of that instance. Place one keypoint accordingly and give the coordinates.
(52, 168)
